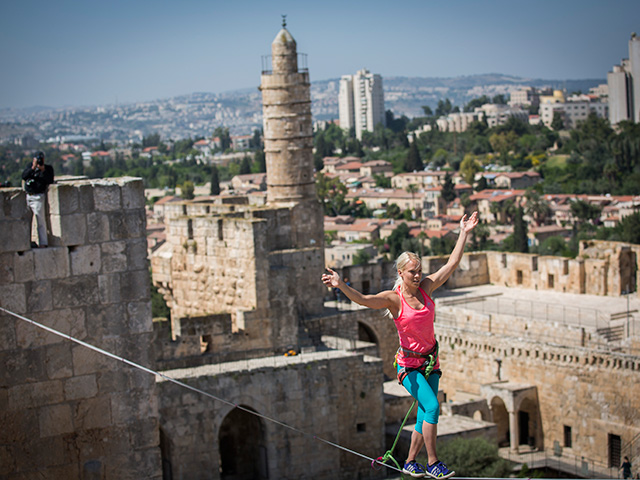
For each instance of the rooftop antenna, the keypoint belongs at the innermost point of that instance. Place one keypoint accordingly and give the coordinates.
(284, 21)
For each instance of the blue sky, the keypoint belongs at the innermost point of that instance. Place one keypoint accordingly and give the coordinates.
(89, 52)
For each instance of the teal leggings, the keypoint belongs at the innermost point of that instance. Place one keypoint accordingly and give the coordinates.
(425, 391)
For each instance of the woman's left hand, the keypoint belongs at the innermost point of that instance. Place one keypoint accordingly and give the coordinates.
(468, 224)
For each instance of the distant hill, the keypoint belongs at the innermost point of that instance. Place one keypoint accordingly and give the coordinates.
(198, 114)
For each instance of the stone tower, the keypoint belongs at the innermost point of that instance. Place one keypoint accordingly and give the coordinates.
(288, 139)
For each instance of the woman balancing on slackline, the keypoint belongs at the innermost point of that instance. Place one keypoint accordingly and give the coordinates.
(410, 304)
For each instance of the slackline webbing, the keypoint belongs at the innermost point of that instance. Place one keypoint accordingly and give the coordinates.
(202, 392)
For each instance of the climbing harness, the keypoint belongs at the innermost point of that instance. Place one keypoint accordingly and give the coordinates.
(427, 366)
(426, 369)
(189, 387)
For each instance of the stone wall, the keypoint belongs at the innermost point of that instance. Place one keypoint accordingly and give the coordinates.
(67, 411)
(334, 395)
(248, 262)
(592, 392)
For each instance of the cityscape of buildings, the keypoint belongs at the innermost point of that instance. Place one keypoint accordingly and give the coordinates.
(251, 321)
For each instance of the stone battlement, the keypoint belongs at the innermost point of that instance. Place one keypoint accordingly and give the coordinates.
(92, 283)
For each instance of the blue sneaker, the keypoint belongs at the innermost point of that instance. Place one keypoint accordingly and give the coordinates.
(439, 470)
(414, 469)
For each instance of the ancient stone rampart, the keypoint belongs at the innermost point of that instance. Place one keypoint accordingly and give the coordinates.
(592, 392)
(245, 261)
(333, 395)
(67, 411)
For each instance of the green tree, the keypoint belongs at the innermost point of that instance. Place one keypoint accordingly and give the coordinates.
(427, 111)
(245, 165)
(520, 240)
(414, 162)
(558, 121)
(440, 157)
(444, 107)
(361, 257)
(187, 189)
(448, 189)
(476, 102)
(628, 229)
(215, 181)
(260, 162)
(412, 189)
(332, 193)
(225, 139)
(469, 167)
(585, 211)
(475, 457)
(537, 207)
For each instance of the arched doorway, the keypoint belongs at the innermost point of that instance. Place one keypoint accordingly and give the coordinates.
(501, 419)
(243, 455)
(528, 422)
(366, 333)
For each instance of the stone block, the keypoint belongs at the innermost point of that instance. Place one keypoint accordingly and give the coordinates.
(98, 227)
(15, 235)
(68, 230)
(63, 199)
(137, 254)
(127, 224)
(85, 260)
(39, 296)
(135, 286)
(75, 291)
(113, 381)
(132, 193)
(69, 322)
(24, 269)
(13, 297)
(140, 320)
(107, 321)
(87, 361)
(51, 263)
(13, 204)
(109, 287)
(84, 386)
(85, 196)
(93, 413)
(6, 267)
(128, 407)
(106, 196)
(31, 395)
(114, 257)
(58, 361)
(55, 420)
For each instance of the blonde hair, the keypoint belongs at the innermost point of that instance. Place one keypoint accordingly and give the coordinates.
(403, 259)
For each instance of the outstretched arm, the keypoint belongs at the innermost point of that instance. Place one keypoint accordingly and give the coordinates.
(435, 280)
(385, 299)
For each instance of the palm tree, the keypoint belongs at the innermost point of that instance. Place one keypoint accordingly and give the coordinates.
(537, 207)
(413, 189)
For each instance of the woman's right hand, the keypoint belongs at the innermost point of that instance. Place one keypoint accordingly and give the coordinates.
(331, 279)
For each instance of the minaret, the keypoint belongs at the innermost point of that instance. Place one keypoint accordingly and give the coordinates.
(288, 147)
(288, 135)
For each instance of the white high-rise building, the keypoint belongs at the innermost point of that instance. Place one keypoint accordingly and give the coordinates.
(361, 102)
(624, 86)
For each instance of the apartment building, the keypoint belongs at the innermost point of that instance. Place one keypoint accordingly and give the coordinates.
(575, 109)
(624, 86)
(361, 102)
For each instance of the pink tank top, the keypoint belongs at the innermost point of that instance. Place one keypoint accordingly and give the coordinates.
(415, 330)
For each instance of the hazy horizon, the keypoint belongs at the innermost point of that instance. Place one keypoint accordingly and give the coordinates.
(74, 53)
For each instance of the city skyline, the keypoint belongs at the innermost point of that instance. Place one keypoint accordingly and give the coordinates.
(74, 53)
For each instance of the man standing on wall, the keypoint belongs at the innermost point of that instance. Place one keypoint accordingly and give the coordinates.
(37, 178)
